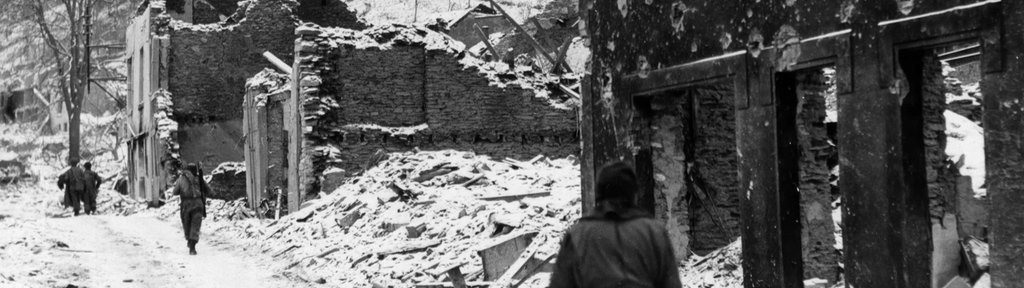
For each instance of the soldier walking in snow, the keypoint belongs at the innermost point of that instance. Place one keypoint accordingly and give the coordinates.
(618, 245)
(92, 188)
(192, 190)
(72, 182)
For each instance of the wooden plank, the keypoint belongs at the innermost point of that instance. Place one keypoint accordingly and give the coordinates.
(533, 41)
(534, 270)
(560, 59)
(499, 256)
(487, 42)
(507, 277)
(514, 196)
(293, 126)
(458, 280)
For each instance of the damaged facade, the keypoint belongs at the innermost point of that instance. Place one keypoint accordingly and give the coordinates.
(746, 79)
(200, 70)
(398, 88)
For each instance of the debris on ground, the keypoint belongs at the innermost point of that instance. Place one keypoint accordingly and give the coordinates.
(417, 212)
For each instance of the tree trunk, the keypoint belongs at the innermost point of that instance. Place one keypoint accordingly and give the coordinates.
(74, 134)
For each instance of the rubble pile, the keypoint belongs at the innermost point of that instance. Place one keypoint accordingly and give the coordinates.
(415, 214)
(719, 269)
(109, 202)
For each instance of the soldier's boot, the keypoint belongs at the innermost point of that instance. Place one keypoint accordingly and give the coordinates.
(192, 247)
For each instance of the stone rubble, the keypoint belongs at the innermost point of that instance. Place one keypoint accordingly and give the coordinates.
(417, 211)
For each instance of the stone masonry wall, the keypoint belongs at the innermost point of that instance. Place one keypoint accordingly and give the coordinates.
(384, 87)
(940, 174)
(461, 100)
(716, 173)
(208, 64)
(397, 88)
(817, 227)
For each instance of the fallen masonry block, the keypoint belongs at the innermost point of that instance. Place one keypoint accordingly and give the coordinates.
(348, 219)
(394, 220)
(332, 179)
(416, 228)
(503, 252)
(508, 219)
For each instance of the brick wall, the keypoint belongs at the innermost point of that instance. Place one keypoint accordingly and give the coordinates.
(817, 227)
(384, 87)
(416, 80)
(208, 64)
(716, 164)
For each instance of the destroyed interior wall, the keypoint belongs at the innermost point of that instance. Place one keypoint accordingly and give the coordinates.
(207, 69)
(204, 68)
(209, 64)
(410, 90)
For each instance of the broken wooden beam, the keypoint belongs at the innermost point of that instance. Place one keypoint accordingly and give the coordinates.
(569, 91)
(506, 279)
(514, 196)
(277, 62)
(560, 59)
(321, 255)
(533, 41)
(503, 253)
(487, 42)
(534, 270)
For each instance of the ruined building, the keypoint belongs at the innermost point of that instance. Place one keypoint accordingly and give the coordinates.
(187, 81)
(391, 89)
(752, 119)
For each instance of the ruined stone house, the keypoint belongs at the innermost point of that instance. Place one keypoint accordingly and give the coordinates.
(187, 79)
(392, 89)
(725, 109)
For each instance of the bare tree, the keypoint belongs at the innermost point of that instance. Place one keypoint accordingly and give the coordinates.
(62, 29)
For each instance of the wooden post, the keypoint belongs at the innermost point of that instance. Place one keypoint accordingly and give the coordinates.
(487, 42)
(533, 41)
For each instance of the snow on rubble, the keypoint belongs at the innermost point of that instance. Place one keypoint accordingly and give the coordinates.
(416, 212)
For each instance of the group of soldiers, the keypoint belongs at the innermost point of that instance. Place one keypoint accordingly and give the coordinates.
(80, 185)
